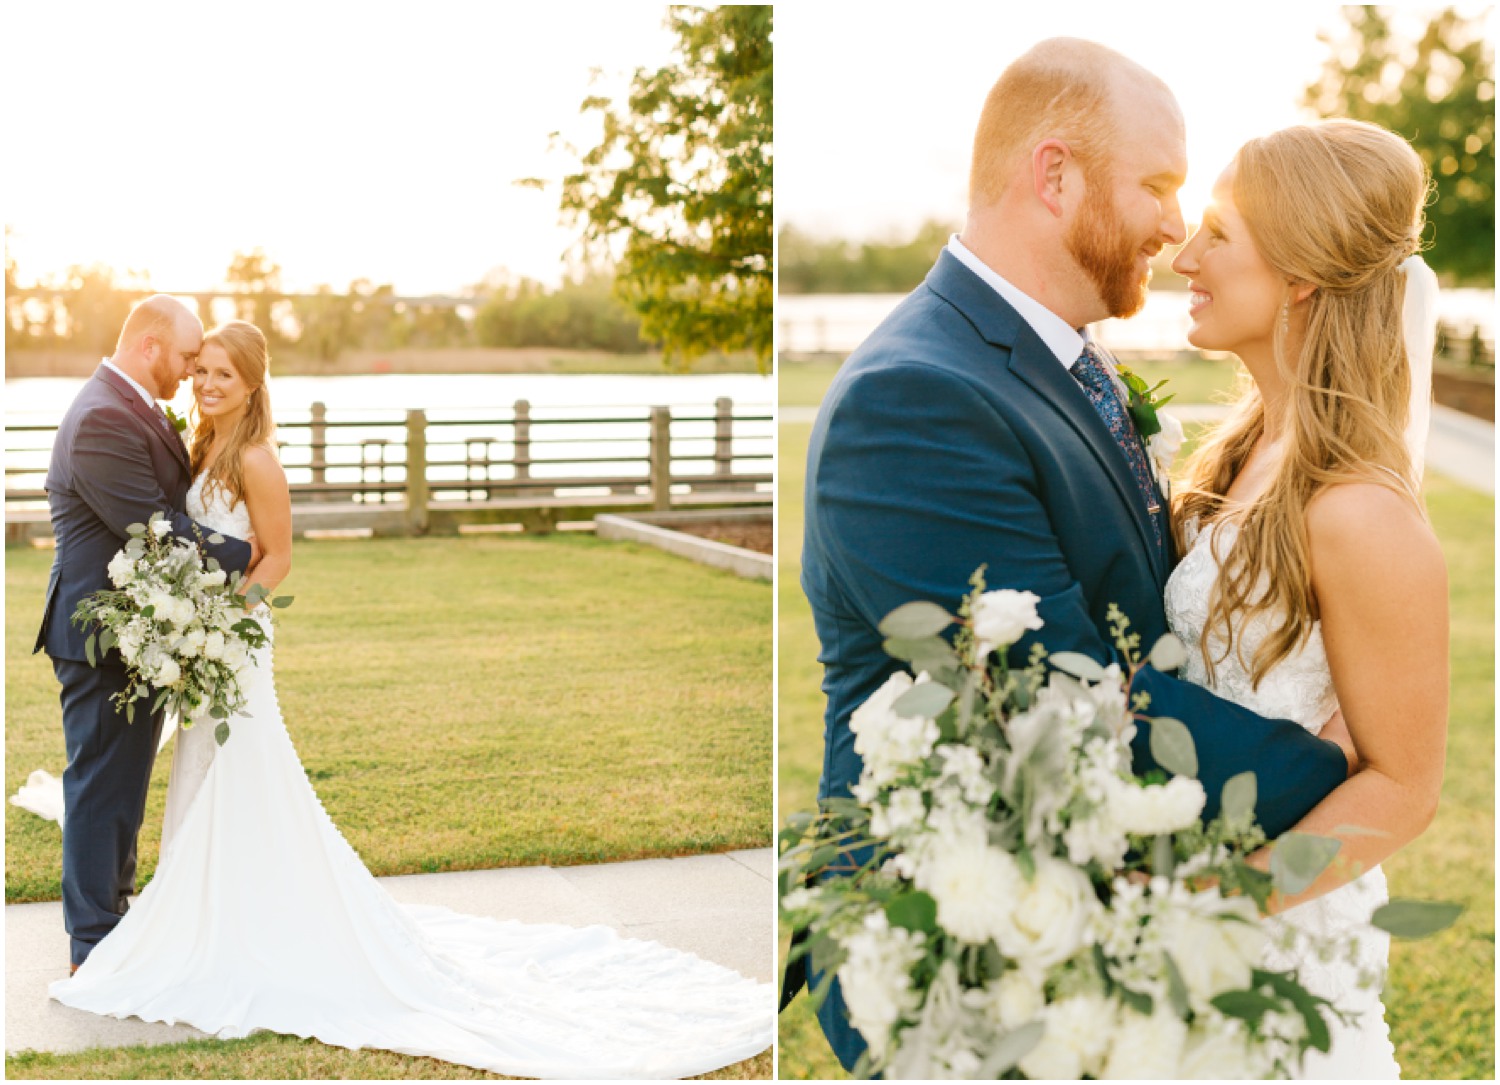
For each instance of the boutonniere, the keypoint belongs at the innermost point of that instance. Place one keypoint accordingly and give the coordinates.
(1144, 402)
(179, 423)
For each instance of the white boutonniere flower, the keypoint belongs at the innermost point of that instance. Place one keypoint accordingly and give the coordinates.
(1164, 445)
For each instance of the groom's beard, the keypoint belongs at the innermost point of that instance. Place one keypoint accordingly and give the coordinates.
(1098, 241)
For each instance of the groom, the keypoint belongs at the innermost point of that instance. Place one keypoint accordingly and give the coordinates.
(116, 460)
(978, 426)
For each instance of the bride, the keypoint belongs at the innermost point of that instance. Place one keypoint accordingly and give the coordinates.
(261, 916)
(1312, 578)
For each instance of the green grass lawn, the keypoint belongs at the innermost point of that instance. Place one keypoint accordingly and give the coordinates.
(464, 704)
(1440, 992)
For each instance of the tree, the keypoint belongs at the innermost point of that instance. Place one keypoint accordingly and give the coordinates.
(1439, 93)
(254, 275)
(680, 185)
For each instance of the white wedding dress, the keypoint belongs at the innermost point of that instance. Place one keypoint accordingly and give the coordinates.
(1299, 688)
(261, 916)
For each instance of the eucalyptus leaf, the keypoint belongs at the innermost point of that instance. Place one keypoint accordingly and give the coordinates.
(160, 700)
(281, 602)
(221, 733)
(1298, 858)
(216, 539)
(1177, 992)
(1415, 918)
(915, 620)
(912, 649)
(1248, 1006)
(925, 699)
(1239, 795)
(88, 650)
(1172, 746)
(1162, 859)
(915, 911)
(1014, 1046)
(1078, 665)
(1168, 653)
(136, 529)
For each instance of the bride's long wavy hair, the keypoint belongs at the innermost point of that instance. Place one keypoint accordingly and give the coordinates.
(247, 350)
(1338, 205)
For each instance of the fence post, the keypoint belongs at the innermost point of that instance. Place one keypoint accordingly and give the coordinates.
(661, 457)
(416, 472)
(723, 439)
(521, 439)
(319, 442)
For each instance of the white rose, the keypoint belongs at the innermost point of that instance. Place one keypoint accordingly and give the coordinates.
(1147, 1048)
(121, 569)
(1048, 918)
(973, 884)
(162, 527)
(213, 645)
(129, 643)
(1079, 1031)
(1001, 617)
(213, 579)
(168, 673)
(1159, 808)
(1219, 1052)
(236, 654)
(1015, 998)
(1216, 942)
(1164, 445)
(162, 605)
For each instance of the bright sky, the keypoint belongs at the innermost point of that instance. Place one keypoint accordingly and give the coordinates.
(349, 140)
(876, 102)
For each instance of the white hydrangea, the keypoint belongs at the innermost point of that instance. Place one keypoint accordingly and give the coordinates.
(1015, 998)
(905, 809)
(1002, 617)
(214, 645)
(973, 884)
(889, 743)
(876, 978)
(964, 766)
(121, 570)
(1079, 1032)
(1159, 808)
(1146, 1048)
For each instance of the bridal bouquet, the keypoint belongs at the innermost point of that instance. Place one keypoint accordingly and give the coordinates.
(1003, 897)
(179, 624)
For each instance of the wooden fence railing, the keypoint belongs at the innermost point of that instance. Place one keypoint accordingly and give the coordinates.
(432, 471)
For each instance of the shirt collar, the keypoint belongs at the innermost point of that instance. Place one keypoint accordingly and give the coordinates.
(145, 395)
(1065, 342)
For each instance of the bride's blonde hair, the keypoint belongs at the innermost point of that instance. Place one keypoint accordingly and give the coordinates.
(1337, 205)
(246, 347)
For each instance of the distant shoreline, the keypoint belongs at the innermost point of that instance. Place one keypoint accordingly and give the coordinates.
(21, 364)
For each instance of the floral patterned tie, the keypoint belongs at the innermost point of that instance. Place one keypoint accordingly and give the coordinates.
(1091, 370)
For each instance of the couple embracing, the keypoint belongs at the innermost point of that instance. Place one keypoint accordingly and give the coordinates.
(260, 915)
(980, 425)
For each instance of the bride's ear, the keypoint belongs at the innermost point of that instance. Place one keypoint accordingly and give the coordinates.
(1301, 291)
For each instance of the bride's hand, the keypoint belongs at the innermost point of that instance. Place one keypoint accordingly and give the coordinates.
(1337, 732)
(256, 553)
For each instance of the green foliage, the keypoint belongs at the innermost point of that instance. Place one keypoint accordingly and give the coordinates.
(254, 275)
(680, 184)
(583, 313)
(808, 265)
(1439, 93)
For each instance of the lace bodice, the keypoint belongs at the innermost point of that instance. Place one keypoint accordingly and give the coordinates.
(1298, 688)
(218, 514)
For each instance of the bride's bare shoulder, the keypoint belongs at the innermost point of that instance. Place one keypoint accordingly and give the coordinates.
(1365, 529)
(262, 469)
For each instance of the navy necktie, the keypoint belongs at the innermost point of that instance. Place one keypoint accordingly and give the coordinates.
(1092, 371)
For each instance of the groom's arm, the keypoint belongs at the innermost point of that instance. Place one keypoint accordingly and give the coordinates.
(111, 467)
(920, 482)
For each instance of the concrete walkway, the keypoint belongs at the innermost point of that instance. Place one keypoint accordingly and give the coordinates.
(716, 906)
(1458, 445)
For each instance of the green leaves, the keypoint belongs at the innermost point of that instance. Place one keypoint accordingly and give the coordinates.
(1177, 992)
(1415, 918)
(915, 621)
(916, 911)
(88, 650)
(925, 699)
(1078, 665)
(1239, 795)
(923, 653)
(221, 733)
(1168, 653)
(1298, 858)
(1172, 746)
(1014, 1046)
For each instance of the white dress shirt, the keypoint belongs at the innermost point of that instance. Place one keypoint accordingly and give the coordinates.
(145, 395)
(1065, 342)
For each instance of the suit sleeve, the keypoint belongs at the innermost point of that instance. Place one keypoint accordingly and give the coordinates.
(920, 482)
(112, 473)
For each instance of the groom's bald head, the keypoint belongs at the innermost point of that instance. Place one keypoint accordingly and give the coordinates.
(1063, 88)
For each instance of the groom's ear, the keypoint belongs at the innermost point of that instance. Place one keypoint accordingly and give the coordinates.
(1049, 162)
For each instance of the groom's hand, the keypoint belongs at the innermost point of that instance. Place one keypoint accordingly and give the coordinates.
(1337, 732)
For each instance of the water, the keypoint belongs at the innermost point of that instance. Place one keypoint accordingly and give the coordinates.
(837, 323)
(484, 401)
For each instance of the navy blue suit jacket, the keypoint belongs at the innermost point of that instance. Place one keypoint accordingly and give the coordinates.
(954, 438)
(114, 463)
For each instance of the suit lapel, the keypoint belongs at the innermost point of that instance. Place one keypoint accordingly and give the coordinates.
(1031, 360)
(149, 417)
